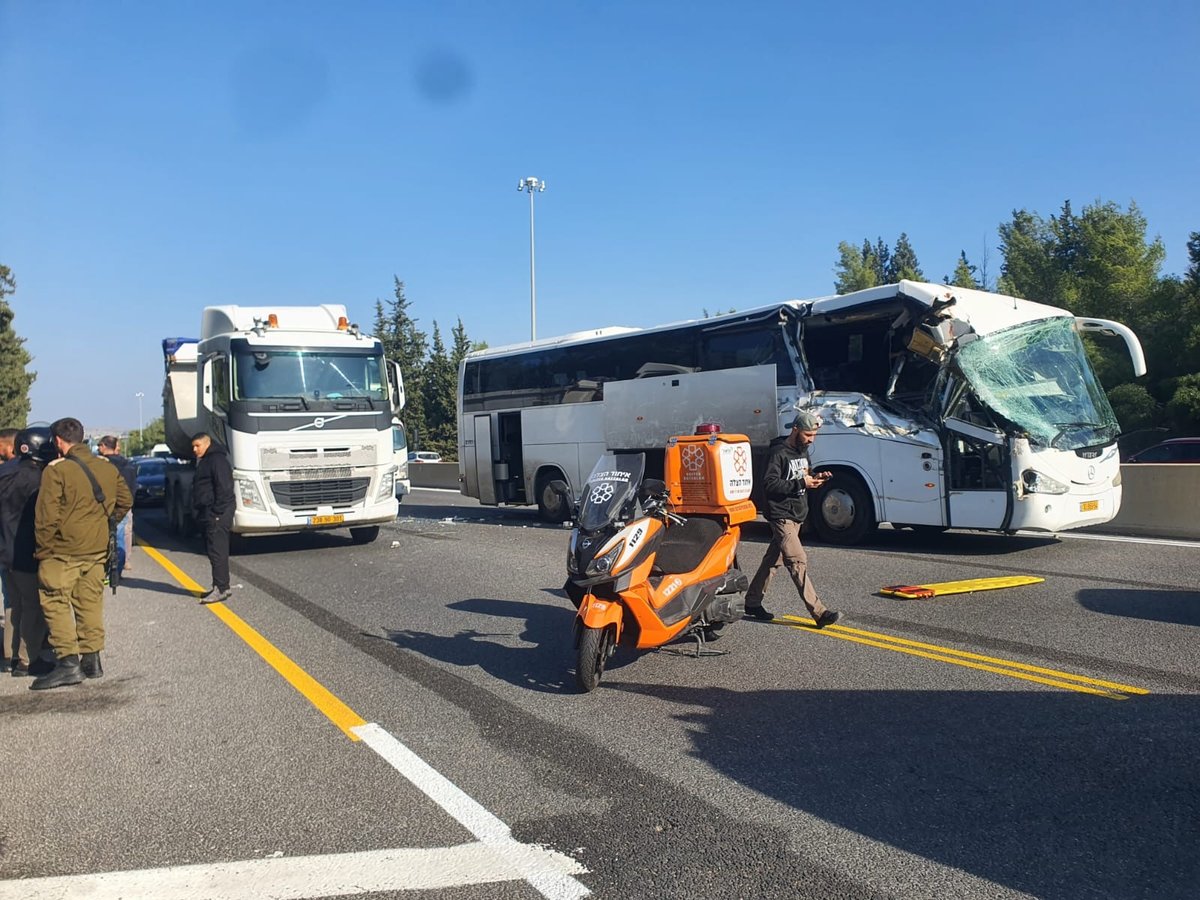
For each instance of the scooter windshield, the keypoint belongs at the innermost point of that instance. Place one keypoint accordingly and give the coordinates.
(612, 486)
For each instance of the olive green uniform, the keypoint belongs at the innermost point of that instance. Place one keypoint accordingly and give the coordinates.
(72, 545)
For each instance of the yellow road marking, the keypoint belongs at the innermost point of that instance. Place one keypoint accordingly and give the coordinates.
(1111, 689)
(330, 706)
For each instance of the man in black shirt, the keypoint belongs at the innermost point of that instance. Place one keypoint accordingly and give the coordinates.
(785, 488)
(213, 504)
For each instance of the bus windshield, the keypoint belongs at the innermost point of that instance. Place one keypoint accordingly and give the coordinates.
(279, 373)
(1037, 376)
(613, 483)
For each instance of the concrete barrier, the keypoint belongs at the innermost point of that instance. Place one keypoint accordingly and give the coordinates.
(1159, 500)
(433, 475)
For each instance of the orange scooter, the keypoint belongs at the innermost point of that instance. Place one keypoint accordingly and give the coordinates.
(651, 561)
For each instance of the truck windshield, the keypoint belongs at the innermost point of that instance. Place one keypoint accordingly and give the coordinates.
(1037, 376)
(278, 373)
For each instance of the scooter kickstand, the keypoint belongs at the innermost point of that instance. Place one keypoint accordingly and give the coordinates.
(702, 648)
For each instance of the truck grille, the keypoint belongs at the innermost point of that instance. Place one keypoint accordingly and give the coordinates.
(328, 492)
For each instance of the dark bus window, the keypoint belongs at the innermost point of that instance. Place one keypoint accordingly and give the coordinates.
(755, 347)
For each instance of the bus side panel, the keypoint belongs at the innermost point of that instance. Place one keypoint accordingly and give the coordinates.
(642, 413)
(569, 438)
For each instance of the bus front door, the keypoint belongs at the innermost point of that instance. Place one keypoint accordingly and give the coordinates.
(977, 476)
(483, 460)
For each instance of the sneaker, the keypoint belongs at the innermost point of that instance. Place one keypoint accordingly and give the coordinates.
(759, 612)
(829, 617)
(215, 596)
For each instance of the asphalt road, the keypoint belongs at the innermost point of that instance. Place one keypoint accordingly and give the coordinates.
(941, 748)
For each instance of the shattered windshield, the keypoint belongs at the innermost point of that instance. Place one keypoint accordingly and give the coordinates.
(1037, 376)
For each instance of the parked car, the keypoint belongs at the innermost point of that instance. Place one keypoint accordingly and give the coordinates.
(424, 456)
(1175, 450)
(151, 480)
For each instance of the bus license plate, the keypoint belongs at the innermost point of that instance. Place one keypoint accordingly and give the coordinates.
(326, 520)
(1089, 506)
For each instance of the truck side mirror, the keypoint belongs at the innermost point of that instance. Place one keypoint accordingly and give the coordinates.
(396, 384)
(206, 381)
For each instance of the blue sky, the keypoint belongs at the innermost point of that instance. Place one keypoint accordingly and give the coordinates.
(159, 157)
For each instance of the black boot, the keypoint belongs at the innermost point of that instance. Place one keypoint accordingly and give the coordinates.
(90, 664)
(66, 672)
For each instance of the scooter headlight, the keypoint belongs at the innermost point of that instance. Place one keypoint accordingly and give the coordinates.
(601, 565)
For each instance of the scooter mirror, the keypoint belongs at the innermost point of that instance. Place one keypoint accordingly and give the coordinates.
(561, 488)
(652, 487)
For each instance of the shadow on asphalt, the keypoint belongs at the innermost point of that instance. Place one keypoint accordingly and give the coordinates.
(1172, 607)
(151, 526)
(1053, 794)
(548, 665)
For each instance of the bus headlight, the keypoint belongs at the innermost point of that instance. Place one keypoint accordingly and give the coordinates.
(1040, 483)
(387, 485)
(248, 495)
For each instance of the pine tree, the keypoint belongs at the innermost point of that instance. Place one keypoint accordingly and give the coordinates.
(15, 381)
(903, 265)
(855, 269)
(440, 401)
(964, 273)
(406, 344)
(462, 345)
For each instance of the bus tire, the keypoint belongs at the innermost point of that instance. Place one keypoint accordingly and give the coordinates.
(841, 510)
(552, 506)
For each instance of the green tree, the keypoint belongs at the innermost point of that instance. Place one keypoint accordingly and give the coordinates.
(440, 400)
(462, 345)
(153, 433)
(964, 273)
(404, 342)
(1135, 407)
(15, 380)
(855, 269)
(903, 264)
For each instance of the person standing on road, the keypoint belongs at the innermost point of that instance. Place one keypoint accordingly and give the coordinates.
(109, 447)
(71, 524)
(213, 505)
(18, 503)
(786, 484)
(13, 652)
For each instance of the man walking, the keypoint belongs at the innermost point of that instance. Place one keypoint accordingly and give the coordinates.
(785, 488)
(71, 527)
(14, 655)
(213, 505)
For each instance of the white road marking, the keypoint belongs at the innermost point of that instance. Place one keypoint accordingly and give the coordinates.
(301, 877)
(548, 871)
(1115, 538)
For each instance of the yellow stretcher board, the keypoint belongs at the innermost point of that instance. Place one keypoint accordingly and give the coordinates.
(925, 591)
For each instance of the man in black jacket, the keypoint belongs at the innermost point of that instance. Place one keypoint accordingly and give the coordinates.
(785, 488)
(213, 505)
(18, 503)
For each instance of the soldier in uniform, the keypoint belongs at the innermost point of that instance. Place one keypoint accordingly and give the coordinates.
(72, 529)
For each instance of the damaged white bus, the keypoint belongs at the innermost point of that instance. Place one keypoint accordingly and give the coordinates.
(943, 407)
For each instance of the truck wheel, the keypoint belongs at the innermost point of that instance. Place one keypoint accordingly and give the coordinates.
(552, 506)
(364, 534)
(842, 511)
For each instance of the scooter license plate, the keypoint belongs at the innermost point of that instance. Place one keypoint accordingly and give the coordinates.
(1089, 506)
(326, 520)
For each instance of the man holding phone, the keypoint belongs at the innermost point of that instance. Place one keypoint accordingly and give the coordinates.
(786, 484)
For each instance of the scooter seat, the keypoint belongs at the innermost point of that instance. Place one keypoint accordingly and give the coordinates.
(685, 546)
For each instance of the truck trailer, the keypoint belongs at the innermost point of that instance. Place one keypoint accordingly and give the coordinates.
(304, 402)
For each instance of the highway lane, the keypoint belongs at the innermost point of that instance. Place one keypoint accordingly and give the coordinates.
(801, 763)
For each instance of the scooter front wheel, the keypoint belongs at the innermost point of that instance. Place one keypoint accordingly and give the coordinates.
(595, 647)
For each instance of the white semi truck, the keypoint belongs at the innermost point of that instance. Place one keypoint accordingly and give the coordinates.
(305, 404)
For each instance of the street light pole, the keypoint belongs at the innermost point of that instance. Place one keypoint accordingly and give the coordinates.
(531, 185)
(141, 436)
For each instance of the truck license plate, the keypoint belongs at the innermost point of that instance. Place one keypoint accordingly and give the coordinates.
(1089, 506)
(326, 520)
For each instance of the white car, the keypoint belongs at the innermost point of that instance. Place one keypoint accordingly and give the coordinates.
(424, 456)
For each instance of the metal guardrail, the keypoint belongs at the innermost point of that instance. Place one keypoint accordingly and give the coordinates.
(433, 475)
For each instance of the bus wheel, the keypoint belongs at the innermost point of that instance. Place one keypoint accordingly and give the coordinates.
(842, 512)
(552, 506)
